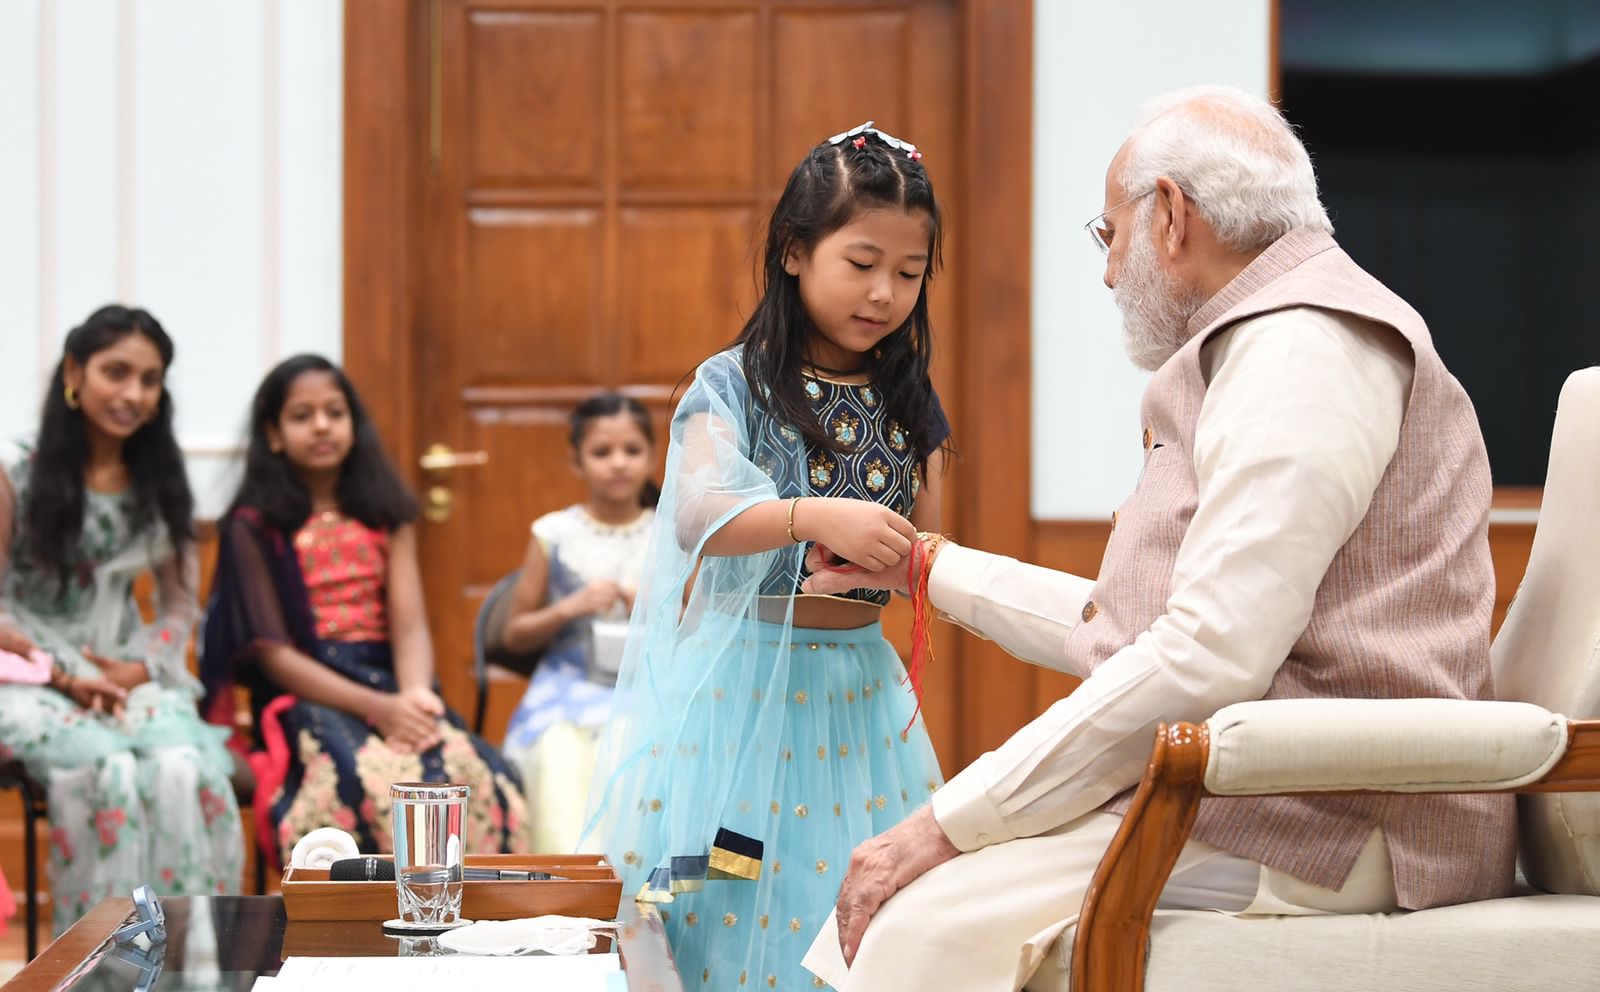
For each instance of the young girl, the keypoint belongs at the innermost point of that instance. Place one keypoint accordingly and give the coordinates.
(582, 565)
(760, 734)
(137, 783)
(318, 610)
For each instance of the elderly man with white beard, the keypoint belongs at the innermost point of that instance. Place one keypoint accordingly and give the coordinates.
(1311, 520)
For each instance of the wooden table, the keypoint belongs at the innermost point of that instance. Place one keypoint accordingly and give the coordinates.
(237, 938)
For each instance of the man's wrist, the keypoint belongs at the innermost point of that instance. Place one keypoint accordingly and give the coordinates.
(930, 848)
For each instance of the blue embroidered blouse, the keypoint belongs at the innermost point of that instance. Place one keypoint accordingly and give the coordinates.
(878, 463)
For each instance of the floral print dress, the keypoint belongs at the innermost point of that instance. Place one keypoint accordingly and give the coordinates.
(140, 798)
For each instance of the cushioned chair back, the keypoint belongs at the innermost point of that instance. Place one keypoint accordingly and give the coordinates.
(1548, 650)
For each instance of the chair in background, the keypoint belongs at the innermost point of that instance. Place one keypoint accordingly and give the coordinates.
(485, 650)
(1546, 662)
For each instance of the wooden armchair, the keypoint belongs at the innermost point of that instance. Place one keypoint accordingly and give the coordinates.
(1546, 661)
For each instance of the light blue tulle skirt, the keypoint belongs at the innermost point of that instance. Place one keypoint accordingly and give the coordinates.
(842, 763)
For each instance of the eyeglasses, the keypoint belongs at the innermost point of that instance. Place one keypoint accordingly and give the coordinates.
(1099, 233)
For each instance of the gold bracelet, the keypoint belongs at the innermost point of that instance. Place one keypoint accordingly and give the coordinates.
(792, 501)
(931, 542)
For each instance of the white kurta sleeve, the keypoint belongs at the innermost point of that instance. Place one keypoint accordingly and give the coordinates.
(1026, 609)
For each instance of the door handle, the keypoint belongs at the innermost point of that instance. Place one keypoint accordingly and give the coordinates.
(436, 463)
(440, 458)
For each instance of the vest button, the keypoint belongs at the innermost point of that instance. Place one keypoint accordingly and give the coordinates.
(1090, 611)
(1149, 438)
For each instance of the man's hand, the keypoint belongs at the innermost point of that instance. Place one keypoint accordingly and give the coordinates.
(884, 865)
(830, 576)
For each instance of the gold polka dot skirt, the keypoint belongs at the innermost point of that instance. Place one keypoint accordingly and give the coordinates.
(800, 774)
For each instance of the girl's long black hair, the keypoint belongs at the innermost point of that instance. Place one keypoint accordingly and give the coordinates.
(370, 490)
(53, 512)
(824, 192)
(609, 405)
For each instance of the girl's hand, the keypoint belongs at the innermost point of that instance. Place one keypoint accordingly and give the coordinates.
(95, 695)
(406, 723)
(426, 700)
(15, 641)
(596, 597)
(830, 578)
(866, 534)
(129, 675)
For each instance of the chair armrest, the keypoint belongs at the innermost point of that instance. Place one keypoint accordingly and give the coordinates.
(1280, 746)
(1308, 746)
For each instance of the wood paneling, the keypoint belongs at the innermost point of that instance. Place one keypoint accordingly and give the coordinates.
(680, 300)
(1509, 546)
(994, 365)
(384, 137)
(689, 121)
(531, 119)
(531, 274)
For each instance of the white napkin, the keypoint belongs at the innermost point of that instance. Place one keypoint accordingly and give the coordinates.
(322, 847)
(549, 934)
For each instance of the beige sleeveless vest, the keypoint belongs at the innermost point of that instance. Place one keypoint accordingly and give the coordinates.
(1403, 611)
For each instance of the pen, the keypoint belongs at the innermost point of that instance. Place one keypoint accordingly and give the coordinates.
(370, 869)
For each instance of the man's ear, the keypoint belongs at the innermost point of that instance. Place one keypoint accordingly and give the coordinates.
(1172, 202)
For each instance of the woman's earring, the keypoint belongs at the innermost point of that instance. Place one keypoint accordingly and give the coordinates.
(71, 396)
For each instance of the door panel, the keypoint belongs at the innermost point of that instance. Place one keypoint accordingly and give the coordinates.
(532, 310)
(533, 97)
(684, 289)
(688, 114)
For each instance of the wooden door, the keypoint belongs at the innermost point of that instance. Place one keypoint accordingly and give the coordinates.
(544, 199)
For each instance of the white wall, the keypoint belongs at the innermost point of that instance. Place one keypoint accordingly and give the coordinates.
(1094, 64)
(183, 156)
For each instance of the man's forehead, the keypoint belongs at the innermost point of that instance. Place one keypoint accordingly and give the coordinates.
(1115, 168)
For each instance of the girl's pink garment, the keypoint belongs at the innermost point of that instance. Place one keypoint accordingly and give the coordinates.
(32, 670)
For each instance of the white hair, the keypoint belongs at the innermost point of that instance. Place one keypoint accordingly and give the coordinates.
(1235, 155)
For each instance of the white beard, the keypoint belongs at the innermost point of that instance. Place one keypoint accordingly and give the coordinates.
(1155, 307)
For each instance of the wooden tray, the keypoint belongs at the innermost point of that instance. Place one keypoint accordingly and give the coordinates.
(591, 888)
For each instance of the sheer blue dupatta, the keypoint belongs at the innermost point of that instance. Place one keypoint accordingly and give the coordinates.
(689, 762)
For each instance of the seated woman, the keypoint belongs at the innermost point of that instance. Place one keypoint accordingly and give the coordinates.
(317, 609)
(137, 784)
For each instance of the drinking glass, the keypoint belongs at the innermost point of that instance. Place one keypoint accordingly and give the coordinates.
(428, 851)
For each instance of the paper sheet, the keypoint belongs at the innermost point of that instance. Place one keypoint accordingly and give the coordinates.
(578, 973)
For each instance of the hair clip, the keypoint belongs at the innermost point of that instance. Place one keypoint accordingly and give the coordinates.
(860, 132)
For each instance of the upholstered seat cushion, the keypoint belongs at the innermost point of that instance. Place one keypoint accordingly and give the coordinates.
(1531, 942)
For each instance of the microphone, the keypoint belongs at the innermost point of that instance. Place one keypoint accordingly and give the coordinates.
(371, 869)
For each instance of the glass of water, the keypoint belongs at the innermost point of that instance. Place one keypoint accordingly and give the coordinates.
(428, 852)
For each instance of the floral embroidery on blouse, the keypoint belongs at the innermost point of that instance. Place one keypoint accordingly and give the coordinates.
(877, 463)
